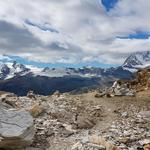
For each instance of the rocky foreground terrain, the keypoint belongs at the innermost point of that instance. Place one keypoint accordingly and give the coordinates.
(74, 122)
(117, 118)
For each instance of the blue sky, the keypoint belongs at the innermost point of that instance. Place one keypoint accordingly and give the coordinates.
(109, 4)
(74, 33)
(137, 35)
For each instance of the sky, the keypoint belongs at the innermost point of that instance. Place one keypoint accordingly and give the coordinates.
(74, 32)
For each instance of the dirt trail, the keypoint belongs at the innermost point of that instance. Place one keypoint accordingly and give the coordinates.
(111, 106)
(108, 107)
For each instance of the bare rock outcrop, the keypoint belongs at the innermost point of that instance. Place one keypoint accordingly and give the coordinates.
(16, 129)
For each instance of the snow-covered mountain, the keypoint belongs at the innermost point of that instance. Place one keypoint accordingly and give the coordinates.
(137, 60)
(9, 70)
(83, 72)
(19, 79)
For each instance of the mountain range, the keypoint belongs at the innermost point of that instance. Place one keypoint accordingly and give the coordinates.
(19, 78)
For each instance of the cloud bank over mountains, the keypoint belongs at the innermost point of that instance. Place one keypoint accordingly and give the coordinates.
(74, 31)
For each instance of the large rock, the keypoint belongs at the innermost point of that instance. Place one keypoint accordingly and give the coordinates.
(85, 122)
(36, 110)
(16, 129)
(144, 114)
(124, 92)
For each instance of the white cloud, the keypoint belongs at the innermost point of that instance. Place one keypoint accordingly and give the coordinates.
(86, 31)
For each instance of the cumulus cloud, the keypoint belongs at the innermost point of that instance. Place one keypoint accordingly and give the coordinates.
(72, 31)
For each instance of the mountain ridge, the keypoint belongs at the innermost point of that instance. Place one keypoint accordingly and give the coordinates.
(11, 69)
(19, 78)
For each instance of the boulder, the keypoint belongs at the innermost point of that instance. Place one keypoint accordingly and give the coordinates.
(85, 122)
(144, 114)
(16, 129)
(36, 110)
(124, 92)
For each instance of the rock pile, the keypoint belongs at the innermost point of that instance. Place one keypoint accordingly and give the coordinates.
(118, 89)
(128, 88)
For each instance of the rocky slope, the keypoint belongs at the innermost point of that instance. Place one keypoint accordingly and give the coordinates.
(83, 122)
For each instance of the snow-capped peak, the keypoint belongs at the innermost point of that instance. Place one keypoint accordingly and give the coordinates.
(137, 60)
(9, 70)
(17, 67)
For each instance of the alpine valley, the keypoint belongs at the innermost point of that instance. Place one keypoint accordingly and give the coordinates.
(20, 78)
